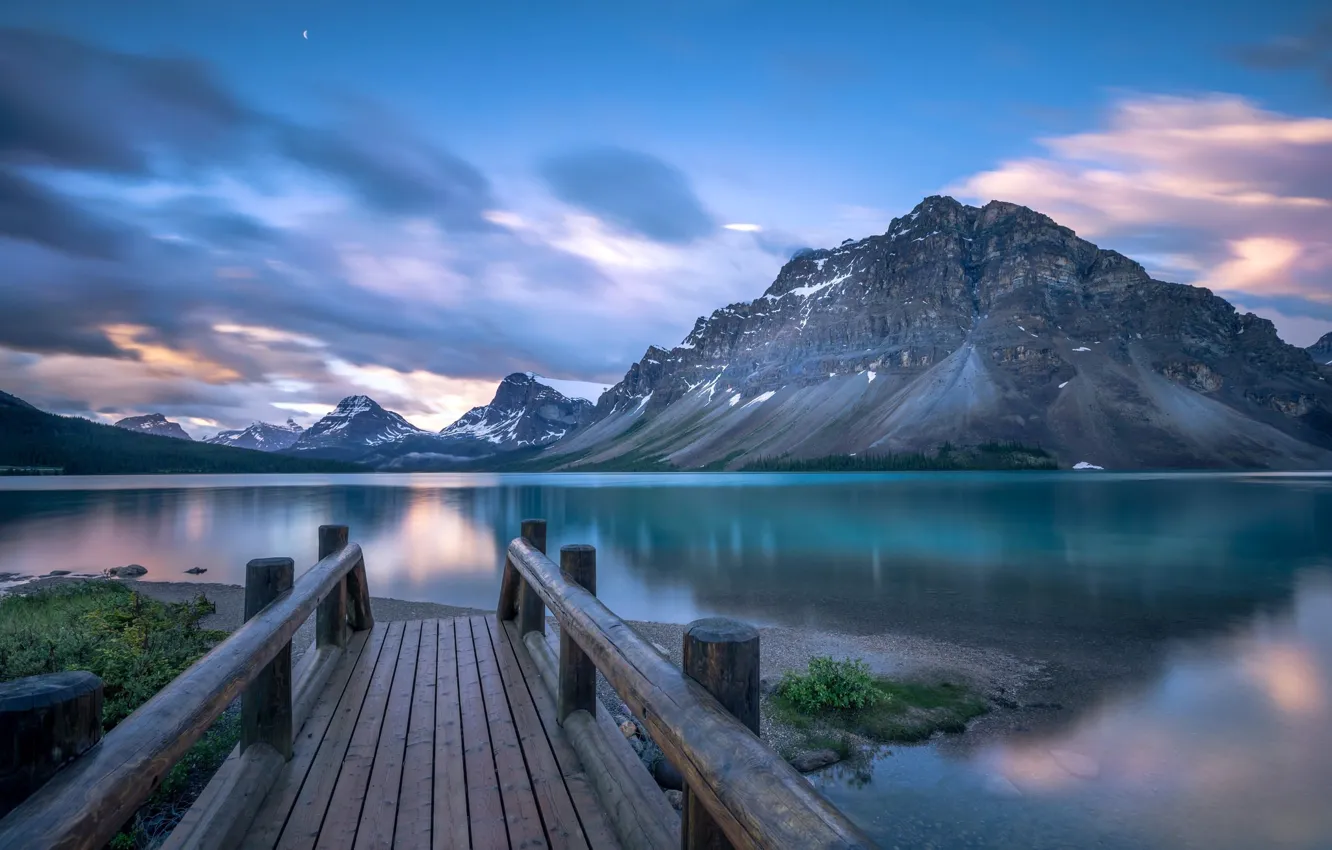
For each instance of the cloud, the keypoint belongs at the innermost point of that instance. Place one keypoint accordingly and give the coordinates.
(1311, 50)
(1213, 190)
(632, 190)
(32, 213)
(69, 104)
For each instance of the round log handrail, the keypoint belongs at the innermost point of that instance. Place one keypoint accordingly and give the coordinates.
(86, 803)
(756, 798)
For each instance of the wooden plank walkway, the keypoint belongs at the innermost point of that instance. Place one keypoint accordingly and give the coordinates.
(432, 734)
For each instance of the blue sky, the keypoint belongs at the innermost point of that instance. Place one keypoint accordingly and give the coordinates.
(422, 197)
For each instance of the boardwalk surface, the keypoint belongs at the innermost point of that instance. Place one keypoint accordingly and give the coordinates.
(432, 734)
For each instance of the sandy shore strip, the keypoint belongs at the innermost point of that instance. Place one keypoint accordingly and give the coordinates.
(1005, 679)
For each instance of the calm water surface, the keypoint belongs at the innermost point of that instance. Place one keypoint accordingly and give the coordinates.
(1215, 589)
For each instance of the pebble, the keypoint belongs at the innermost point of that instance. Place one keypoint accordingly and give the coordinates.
(629, 728)
(811, 760)
(676, 798)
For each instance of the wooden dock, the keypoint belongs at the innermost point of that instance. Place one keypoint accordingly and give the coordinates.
(430, 734)
(451, 734)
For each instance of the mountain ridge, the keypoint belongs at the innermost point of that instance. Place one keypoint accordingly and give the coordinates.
(968, 325)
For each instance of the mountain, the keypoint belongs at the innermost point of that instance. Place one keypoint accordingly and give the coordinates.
(1321, 351)
(31, 437)
(967, 326)
(526, 411)
(153, 423)
(353, 430)
(260, 436)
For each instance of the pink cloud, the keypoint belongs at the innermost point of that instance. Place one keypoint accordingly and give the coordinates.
(1239, 197)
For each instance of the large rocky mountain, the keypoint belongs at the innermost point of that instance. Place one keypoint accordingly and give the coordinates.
(1321, 351)
(524, 412)
(260, 436)
(969, 325)
(353, 429)
(153, 423)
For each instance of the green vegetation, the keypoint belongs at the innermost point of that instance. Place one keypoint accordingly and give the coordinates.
(136, 645)
(839, 699)
(30, 437)
(986, 456)
(830, 685)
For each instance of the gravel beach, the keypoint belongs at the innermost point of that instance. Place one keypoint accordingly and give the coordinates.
(1018, 687)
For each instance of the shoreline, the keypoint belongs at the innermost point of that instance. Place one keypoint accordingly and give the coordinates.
(1019, 689)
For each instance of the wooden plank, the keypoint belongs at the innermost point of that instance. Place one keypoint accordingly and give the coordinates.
(272, 816)
(413, 827)
(485, 812)
(636, 807)
(450, 829)
(344, 809)
(379, 812)
(757, 799)
(86, 803)
(557, 810)
(596, 825)
(520, 805)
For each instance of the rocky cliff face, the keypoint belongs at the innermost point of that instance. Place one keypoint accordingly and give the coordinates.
(524, 412)
(1321, 351)
(968, 324)
(260, 436)
(153, 423)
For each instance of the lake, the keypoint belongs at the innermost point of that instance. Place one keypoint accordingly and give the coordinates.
(1193, 612)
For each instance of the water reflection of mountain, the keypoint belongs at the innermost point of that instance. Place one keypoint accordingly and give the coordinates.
(1057, 556)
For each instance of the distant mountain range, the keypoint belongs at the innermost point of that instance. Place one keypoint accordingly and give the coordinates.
(259, 436)
(32, 440)
(959, 327)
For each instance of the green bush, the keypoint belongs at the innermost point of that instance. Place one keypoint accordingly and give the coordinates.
(137, 645)
(830, 685)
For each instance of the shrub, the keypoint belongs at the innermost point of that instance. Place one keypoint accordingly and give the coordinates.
(830, 685)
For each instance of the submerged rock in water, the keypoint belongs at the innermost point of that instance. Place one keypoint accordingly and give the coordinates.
(128, 571)
(59, 572)
(810, 760)
(194, 571)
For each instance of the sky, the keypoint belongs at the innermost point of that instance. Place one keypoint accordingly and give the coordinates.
(238, 210)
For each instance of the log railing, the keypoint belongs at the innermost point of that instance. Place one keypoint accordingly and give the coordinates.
(89, 800)
(739, 792)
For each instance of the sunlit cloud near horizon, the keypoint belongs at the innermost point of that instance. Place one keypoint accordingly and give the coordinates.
(180, 239)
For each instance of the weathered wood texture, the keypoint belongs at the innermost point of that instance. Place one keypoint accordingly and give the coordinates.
(578, 675)
(639, 812)
(429, 738)
(531, 612)
(359, 615)
(85, 804)
(756, 798)
(331, 618)
(45, 721)
(266, 703)
(722, 655)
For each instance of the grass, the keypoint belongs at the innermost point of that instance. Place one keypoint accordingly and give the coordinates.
(136, 645)
(837, 700)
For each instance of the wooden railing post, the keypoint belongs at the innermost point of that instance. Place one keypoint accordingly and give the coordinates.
(531, 610)
(331, 616)
(266, 703)
(578, 673)
(45, 721)
(359, 615)
(722, 655)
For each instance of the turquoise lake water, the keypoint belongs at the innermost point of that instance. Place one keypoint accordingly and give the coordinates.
(1214, 591)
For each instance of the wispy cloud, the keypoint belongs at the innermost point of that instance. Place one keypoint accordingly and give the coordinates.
(1216, 190)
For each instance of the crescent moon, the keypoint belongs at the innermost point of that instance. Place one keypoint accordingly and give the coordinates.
(305, 34)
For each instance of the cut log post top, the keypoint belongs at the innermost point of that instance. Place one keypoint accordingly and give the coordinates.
(44, 722)
(722, 655)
